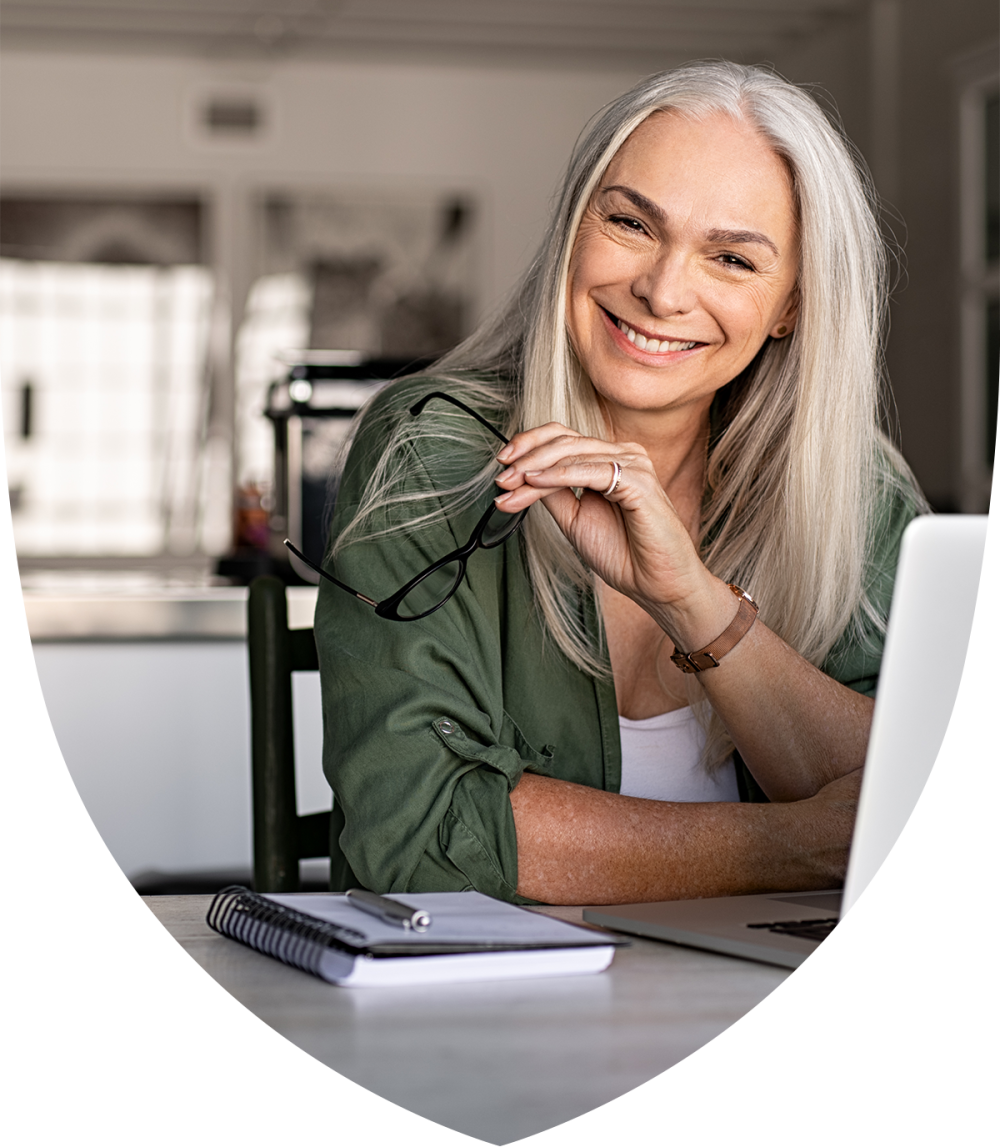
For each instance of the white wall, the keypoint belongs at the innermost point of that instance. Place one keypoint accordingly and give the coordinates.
(156, 736)
(76, 121)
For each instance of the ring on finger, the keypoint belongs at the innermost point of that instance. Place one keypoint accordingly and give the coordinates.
(616, 477)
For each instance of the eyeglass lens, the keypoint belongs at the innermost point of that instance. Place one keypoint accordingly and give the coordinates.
(498, 528)
(430, 591)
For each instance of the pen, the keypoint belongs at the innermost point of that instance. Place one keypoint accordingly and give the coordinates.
(391, 911)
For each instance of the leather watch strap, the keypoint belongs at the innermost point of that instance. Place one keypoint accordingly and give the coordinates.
(713, 653)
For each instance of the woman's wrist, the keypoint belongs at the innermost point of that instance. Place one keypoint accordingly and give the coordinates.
(694, 621)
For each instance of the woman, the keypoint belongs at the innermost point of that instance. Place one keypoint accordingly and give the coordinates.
(689, 378)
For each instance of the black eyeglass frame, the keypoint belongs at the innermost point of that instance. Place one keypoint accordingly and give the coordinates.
(389, 607)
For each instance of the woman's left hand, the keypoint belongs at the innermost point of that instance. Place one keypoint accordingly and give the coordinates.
(633, 538)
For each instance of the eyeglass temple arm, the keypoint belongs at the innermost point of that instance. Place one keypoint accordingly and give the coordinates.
(418, 407)
(329, 577)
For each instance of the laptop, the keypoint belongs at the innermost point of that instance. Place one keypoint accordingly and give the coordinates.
(940, 562)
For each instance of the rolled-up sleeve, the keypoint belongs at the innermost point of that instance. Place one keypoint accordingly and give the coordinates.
(417, 769)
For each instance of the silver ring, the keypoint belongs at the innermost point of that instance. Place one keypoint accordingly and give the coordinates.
(616, 477)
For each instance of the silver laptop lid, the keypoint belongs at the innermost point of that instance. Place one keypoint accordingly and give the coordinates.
(930, 620)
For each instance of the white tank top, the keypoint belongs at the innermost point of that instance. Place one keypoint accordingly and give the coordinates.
(661, 760)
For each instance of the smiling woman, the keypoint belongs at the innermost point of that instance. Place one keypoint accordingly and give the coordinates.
(663, 687)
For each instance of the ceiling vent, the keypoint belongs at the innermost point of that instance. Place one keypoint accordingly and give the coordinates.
(229, 114)
(232, 117)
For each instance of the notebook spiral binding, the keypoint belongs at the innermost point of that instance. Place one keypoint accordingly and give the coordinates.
(277, 931)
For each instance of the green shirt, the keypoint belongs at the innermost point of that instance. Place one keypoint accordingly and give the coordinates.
(428, 725)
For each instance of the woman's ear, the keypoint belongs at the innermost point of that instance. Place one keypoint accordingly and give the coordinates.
(786, 324)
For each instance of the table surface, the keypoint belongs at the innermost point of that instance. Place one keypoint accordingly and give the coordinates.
(502, 1060)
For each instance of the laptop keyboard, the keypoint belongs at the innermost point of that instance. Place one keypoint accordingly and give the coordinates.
(804, 929)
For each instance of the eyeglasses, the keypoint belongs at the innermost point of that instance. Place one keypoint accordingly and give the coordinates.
(429, 590)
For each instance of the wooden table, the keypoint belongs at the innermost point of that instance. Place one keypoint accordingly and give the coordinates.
(498, 1061)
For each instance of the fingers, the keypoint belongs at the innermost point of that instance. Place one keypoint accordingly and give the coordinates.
(561, 503)
(620, 476)
(551, 457)
(530, 486)
(543, 456)
(528, 440)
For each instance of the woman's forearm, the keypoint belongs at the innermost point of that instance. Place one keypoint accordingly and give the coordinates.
(796, 728)
(577, 845)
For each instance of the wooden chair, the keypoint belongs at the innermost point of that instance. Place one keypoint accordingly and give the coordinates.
(281, 838)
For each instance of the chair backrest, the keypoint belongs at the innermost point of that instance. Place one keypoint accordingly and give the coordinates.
(281, 838)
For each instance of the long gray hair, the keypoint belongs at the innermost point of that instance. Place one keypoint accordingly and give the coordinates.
(799, 462)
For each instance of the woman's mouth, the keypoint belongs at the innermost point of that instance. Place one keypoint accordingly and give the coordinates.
(651, 346)
(648, 343)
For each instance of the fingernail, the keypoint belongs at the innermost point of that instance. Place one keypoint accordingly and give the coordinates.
(504, 454)
(505, 475)
(503, 497)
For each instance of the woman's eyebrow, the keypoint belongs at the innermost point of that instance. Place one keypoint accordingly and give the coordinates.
(653, 210)
(722, 236)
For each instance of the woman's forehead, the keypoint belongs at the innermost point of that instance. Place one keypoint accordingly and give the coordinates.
(715, 165)
(668, 132)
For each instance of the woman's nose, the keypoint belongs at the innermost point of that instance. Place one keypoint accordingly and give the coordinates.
(666, 285)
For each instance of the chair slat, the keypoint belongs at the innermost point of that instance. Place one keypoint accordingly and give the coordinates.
(281, 836)
(302, 655)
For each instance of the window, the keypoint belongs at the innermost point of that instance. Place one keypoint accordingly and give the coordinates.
(133, 399)
(104, 322)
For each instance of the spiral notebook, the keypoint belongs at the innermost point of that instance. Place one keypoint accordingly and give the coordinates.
(471, 937)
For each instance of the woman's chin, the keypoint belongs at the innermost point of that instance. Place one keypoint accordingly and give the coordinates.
(619, 389)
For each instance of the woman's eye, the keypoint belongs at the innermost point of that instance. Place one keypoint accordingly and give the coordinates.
(735, 261)
(628, 223)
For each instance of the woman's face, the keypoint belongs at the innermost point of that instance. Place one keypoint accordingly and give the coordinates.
(685, 261)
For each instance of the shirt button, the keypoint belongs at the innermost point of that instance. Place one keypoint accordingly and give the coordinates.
(446, 727)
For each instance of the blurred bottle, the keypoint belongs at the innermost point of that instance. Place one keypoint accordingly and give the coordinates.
(251, 530)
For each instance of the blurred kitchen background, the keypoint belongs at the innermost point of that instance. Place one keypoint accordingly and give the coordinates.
(223, 223)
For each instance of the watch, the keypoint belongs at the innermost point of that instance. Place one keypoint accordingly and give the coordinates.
(710, 656)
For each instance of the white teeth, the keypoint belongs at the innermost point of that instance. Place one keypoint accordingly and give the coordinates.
(651, 346)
